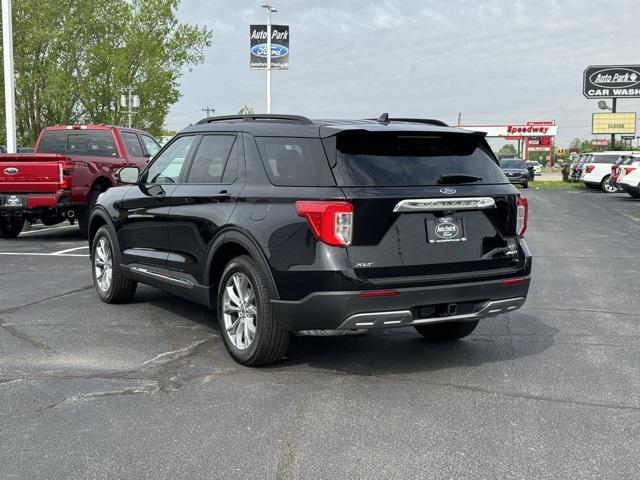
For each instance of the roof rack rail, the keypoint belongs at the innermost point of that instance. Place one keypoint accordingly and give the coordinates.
(384, 118)
(258, 117)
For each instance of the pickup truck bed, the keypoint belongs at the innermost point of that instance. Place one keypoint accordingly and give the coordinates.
(71, 166)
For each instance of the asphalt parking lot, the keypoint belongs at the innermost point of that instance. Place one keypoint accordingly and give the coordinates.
(146, 390)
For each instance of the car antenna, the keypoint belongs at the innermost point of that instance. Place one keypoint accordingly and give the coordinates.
(384, 118)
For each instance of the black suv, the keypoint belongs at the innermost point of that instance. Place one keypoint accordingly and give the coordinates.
(283, 224)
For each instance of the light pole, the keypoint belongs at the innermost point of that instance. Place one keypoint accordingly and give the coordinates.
(270, 10)
(9, 87)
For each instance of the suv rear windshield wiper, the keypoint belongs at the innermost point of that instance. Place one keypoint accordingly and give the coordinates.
(449, 178)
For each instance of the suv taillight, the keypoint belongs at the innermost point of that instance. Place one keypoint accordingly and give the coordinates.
(522, 216)
(589, 168)
(66, 169)
(330, 222)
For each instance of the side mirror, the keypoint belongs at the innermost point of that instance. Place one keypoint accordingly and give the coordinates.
(128, 175)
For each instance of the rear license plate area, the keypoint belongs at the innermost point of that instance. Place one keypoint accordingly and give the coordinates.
(12, 201)
(445, 230)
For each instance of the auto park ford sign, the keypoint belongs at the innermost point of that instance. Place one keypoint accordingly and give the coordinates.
(621, 81)
(259, 47)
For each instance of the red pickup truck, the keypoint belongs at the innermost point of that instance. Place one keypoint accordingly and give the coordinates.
(62, 179)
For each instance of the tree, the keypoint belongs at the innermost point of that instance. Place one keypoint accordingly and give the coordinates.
(246, 110)
(508, 148)
(73, 61)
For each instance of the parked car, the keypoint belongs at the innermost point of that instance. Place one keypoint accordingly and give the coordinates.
(537, 168)
(534, 169)
(629, 175)
(617, 169)
(283, 224)
(597, 173)
(515, 169)
(71, 166)
(573, 169)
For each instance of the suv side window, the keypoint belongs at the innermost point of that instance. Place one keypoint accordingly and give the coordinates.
(167, 167)
(211, 158)
(288, 161)
(150, 144)
(132, 144)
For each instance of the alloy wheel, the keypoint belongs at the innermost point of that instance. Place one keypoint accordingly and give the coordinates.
(103, 264)
(239, 311)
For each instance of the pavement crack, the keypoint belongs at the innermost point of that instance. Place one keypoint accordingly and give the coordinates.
(20, 335)
(85, 397)
(53, 297)
(174, 355)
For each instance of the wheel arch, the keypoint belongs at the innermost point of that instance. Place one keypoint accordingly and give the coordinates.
(230, 244)
(97, 220)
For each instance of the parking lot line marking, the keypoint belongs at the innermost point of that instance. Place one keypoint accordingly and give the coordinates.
(61, 252)
(48, 229)
(40, 254)
(628, 215)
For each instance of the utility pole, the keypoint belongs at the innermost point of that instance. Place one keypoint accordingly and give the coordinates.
(9, 80)
(130, 101)
(270, 10)
(208, 109)
(460, 119)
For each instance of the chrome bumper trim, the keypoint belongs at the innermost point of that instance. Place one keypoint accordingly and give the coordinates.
(404, 318)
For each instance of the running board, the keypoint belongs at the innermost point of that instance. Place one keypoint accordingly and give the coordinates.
(404, 318)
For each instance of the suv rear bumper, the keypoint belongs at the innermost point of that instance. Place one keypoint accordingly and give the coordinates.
(410, 306)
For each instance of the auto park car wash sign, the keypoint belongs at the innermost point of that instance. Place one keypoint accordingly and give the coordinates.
(259, 47)
(612, 81)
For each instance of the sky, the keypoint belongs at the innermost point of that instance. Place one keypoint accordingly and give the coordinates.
(493, 61)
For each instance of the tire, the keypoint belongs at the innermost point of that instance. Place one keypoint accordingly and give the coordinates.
(248, 305)
(447, 331)
(606, 187)
(11, 228)
(525, 185)
(85, 213)
(634, 194)
(118, 289)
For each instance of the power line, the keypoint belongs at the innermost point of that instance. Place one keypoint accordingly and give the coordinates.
(208, 111)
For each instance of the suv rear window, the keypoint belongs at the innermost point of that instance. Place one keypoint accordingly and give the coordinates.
(381, 159)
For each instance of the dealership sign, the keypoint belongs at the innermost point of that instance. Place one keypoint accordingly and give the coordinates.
(620, 122)
(260, 48)
(621, 81)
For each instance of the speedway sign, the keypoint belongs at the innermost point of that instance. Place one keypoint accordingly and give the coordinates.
(539, 129)
(259, 47)
(611, 81)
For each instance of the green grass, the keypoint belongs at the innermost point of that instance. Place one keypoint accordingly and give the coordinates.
(554, 184)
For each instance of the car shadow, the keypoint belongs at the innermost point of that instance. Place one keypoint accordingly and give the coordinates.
(384, 352)
(397, 351)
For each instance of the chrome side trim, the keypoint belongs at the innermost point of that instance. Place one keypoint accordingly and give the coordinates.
(443, 204)
(160, 276)
(404, 318)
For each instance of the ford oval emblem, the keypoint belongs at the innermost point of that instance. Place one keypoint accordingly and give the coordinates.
(277, 50)
(11, 170)
(448, 190)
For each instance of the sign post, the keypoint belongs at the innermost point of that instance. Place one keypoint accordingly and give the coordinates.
(269, 49)
(9, 87)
